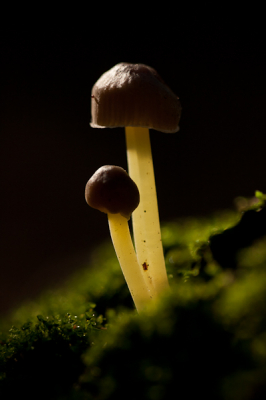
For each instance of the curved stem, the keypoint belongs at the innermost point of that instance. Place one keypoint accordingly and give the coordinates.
(128, 261)
(146, 224)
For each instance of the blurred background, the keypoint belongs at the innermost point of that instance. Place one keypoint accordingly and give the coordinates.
(211, 57)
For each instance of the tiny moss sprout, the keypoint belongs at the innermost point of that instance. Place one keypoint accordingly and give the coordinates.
(135, 97)
(113, 192)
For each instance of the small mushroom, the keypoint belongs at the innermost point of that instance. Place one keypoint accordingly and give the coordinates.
(135, 97)
(113, 192)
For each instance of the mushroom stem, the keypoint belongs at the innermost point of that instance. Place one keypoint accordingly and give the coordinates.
(126, 255)
(145, 218)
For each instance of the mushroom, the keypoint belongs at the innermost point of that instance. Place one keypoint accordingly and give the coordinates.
(113, 192)
(135, 97)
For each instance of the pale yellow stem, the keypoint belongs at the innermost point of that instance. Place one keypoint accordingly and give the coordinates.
(128, 261)
(146, 224)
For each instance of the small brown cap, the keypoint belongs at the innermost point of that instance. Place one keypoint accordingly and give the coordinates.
(112, 191)
(134, 95)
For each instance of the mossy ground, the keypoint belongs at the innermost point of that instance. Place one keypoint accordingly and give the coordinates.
(207, 337)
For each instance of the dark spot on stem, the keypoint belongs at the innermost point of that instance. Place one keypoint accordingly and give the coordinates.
(145, 266)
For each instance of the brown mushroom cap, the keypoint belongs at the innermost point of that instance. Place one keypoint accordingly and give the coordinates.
(112, 191)
(134, 95)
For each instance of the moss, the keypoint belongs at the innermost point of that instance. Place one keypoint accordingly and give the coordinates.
(207, 337)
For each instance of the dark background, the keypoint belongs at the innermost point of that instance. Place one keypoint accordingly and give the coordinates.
(212, 57)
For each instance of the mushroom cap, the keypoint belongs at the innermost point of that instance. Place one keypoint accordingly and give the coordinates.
(134, 95)
(112, 191)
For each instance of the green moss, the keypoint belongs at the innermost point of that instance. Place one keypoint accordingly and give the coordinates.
(207, 337)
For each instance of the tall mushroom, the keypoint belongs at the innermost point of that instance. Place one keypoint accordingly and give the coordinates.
(135, 97)
(113, 192)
